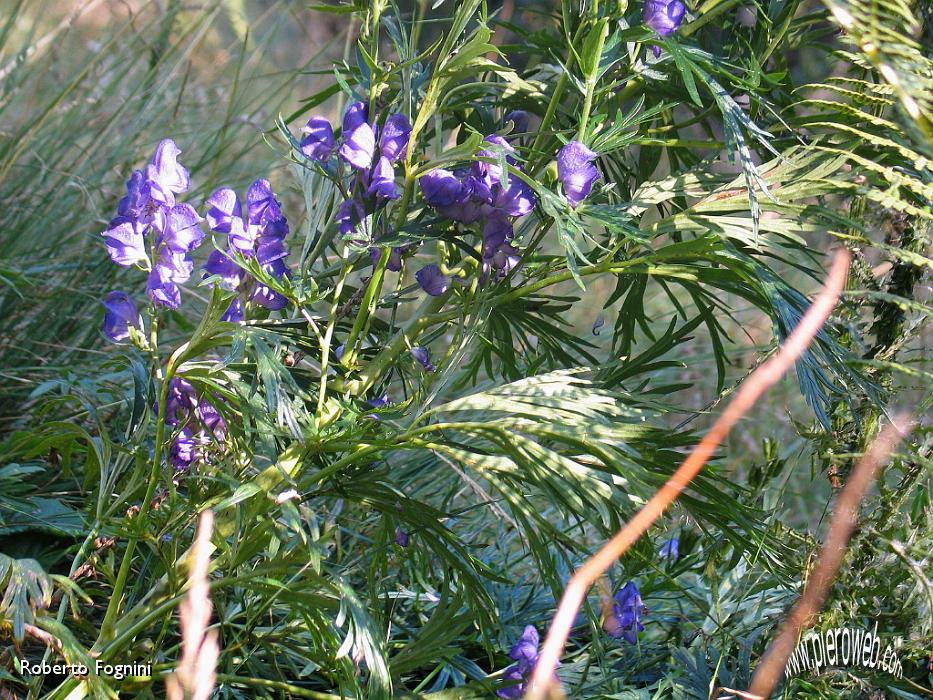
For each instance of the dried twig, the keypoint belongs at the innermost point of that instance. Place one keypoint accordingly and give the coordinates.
(194, 678)
(745, 397)
(844, 519)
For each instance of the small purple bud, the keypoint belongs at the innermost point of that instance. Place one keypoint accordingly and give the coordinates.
(598, 324)
(670, 549)
(402, 538)
(379, 401)
(519, 119)
(422, 357)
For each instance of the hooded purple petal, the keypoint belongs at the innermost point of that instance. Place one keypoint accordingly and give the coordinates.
(441, 188)
(133, 205)
(261, 204)
(183, 451)
(422, 357)
(394, 139)
(432, 280)
(182, 230)
(576, 171)
(165, 175)
(517, 199)
(269, 249)
(126, 244)
(664, 16)
(119, 314)
(234, 312)
(220, 264)
(357, 113)
(625, 619)
(319, 144)
(519, 119)
(223, 208)
(358, 147)
(382, 180)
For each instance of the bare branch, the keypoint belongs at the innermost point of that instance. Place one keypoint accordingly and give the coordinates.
(745, 397)
(845, 517)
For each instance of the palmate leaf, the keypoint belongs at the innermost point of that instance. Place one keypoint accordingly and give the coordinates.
(27, 588)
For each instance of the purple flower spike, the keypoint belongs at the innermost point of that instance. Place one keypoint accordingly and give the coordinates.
(126, 244)
(166, 176)
(119, 314)
(576, 171)
(670, 549)
(421, 356)
(664, 16)
(382, 182)
(441, 188)
(625, 619)
(319, 144)
(402, 538)
(182, 233)
(394, 139)
(223, 208)
(432, 280)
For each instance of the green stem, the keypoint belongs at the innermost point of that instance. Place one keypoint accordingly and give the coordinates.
(367, 308)
(329, 333)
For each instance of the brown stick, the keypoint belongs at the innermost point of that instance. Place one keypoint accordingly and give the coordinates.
(841, 527)
(745, 397)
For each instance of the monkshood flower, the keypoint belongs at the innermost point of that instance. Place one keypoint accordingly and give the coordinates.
(525, 654)
(259, 235)
(198, 421)
(664, 16)
(119, 314)
(670, 549)
(519, 119)
(422, 357)
(432, 280)
(402, 538)
(358, 137)
(576, 171)
(319, 144)
(625, 618)
(382, 180)
(394, 139)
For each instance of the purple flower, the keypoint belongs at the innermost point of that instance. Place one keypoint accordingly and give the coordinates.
(441, 188)
(125, 241)
(516, 200)
(576, 171)
(432, 280)
(379, 401)
(270, 250)
(166, 177)
(224, 210)
(119, 314)
(519, 119)
(496, 231)
(268, 298)
(182, 452)
(182, 233)
(625, 619)
(133, 205)
(402, 538)
(234, 312)
(394, 139)
(211, 421)
(382, 182)
(525, 654)
(319, 144)
(664, 16)
(670, 549)
(359, 138)
(349, 216)
(261, 204)
(220, 264)
(171, 270)
(393, 264)
(422, 357)
(181, 401)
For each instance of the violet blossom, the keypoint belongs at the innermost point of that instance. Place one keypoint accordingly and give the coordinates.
(576, 171)
(119, 314)
(624, 620)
